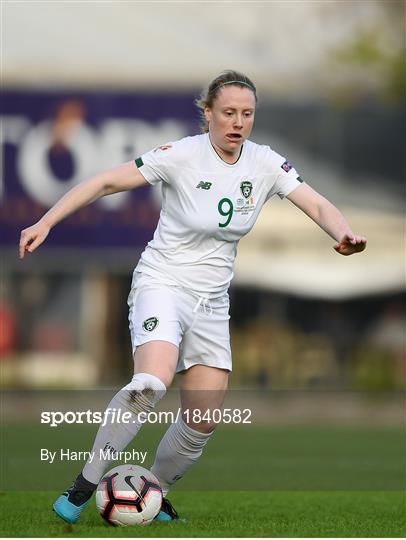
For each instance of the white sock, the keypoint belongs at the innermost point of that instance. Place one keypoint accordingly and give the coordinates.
(180, 447)
(140, 395)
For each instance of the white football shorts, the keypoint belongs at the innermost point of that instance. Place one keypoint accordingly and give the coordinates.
(199, 327)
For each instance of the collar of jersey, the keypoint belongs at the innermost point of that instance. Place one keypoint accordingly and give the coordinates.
(222, 160)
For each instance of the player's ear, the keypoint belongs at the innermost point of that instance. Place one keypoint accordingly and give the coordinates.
(207, 113)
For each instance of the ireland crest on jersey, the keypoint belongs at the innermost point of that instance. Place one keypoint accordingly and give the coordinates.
(246, 189)
(150, 324)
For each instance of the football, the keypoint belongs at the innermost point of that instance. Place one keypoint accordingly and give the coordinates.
(128, 495)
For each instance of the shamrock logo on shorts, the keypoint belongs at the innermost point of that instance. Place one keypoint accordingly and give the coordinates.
(150, 324)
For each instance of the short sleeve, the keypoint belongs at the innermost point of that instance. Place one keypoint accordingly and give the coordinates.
(156, 164)
(285, 176)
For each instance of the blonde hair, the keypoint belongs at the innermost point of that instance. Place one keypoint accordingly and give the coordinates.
(207, 97)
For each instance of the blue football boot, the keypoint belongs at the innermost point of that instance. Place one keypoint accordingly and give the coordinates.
(71, 504)
(167, 512)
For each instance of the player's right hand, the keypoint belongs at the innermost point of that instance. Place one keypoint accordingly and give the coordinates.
(32, 237)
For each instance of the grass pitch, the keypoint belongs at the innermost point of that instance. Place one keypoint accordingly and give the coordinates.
(225, 514)
(255, 481)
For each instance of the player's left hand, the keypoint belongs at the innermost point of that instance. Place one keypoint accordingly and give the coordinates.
(351, 244)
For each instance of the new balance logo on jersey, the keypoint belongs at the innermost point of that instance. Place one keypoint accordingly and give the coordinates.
(204, 185)
(164, 147)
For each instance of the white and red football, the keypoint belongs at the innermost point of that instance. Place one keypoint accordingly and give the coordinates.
(129, 495)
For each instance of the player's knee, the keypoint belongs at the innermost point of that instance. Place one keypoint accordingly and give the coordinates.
(144, 391)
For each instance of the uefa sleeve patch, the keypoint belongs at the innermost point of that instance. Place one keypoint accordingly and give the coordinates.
(139, 162)
(300, 179)
(286, 166)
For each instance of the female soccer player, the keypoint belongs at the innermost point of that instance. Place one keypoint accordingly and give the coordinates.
(214, 186)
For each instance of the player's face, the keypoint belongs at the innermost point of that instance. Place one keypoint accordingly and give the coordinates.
(230, 120)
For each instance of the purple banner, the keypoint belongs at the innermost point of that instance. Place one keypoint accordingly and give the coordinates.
(52, 141)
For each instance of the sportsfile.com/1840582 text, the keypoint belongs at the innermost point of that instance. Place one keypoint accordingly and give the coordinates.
(113, 415)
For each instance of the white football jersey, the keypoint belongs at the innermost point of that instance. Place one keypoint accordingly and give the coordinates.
(207, 206)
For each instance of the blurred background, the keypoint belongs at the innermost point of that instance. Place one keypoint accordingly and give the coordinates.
(89, 85)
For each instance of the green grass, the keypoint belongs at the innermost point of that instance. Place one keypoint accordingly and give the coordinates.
(269, 458)
(253, 481)
(225, 514)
